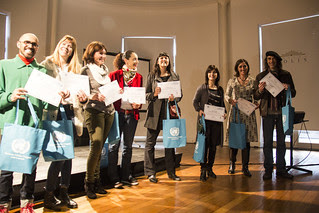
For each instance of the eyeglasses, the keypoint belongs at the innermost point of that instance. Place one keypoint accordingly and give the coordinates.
(33, 44)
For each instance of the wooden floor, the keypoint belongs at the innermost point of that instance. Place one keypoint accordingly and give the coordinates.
(227, 193)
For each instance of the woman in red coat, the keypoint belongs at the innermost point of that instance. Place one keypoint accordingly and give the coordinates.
(127, 76)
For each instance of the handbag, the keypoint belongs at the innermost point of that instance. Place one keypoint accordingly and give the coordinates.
(21, 145)
(237, 132)
(199, 151)
(288, 114)
(174, 131)
(114, 134)
(59, 141)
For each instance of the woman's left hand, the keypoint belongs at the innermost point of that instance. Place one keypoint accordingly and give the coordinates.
(285, 86)
(136, 106)
(82, 96)
(225, 116)
(171, 97)
(64, 94)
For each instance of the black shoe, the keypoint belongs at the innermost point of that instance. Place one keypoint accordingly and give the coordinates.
(118, 185)
(65, 199)
(211, 174)
(174, 177)
(51, 202)
(202, 176)
(246, 172)
(267, 175)
(152, 179)
(232, 167)
(284, 175)
(130, 182)
(99, 188)
(90, 190)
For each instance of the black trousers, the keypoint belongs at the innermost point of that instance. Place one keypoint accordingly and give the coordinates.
(245, 153)
(149, 158)
(213, 138)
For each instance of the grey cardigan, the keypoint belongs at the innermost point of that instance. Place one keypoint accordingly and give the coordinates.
(201, 98)
(154, 104)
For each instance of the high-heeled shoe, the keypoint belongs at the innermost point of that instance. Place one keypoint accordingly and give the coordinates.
(232, 167)
(202, 176)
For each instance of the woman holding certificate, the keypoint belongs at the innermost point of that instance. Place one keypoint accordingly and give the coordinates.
(63, 59)
(211, 94)
(239, 89)
(126, 76)
(156, 113)
(98, 116)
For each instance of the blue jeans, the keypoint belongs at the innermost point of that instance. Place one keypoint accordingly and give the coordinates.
(128, 126)
(269, 123)
(6, 181)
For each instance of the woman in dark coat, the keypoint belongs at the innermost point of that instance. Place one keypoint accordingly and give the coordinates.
(156, 113)
(212, 94)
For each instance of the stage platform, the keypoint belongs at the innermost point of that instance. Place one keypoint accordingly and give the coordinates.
(79, 169)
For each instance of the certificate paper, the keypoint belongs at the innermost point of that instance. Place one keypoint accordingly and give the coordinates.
(44, 87)
(134, 95)
(246, 106)
(111, 91)
(214, 113)
(74, 83)
(168, 88)
(273, 85)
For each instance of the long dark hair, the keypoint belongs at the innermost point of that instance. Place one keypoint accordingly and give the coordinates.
(214, 69)
(157, 70)
(239, 61)
(119, 62)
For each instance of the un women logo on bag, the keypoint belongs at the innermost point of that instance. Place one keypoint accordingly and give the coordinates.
(174, 131)
(58, 136)
(284, 118)
(20, 146)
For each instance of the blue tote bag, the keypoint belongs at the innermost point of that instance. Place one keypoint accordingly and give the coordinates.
(104, 156)
(237, 132)
(288, 114)
(114, 135)
(199, 151)
(21, 145)
(174, 131)
(58, 144)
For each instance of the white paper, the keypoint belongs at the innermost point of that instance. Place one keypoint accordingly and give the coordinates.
(245, 106)
(74, 83)
(168, 88)
(134, 95)
(44, 87)
(273, 85)
(111, 91)
(214, 113)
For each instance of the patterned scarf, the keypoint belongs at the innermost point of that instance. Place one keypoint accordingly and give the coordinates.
(128, 74)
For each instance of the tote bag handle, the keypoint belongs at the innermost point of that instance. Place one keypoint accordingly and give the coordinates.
(167, 111)
(33, 114)
(288, 96)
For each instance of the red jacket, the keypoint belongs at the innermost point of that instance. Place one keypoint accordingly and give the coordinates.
(137, 81)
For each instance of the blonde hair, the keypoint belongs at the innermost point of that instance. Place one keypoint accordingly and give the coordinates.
(73, 61)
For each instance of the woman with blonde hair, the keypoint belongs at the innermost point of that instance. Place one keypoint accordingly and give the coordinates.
(63, 59)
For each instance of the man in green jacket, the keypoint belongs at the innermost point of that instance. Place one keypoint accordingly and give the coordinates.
(14, 74)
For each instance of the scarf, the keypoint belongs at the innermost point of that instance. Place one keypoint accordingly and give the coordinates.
(128, 74)
(26, 60)
(100, 74)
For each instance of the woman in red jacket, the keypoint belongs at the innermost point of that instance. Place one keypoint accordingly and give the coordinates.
(127, 76)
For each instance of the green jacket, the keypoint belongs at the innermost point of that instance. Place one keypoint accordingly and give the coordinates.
(14, 73)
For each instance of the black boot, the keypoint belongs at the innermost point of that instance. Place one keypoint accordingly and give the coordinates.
(51, 202)
(203, 175)
(99, 188)
(246, 171)
(89, 189)
(210, 173)
(65, 199)
(231, 169)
